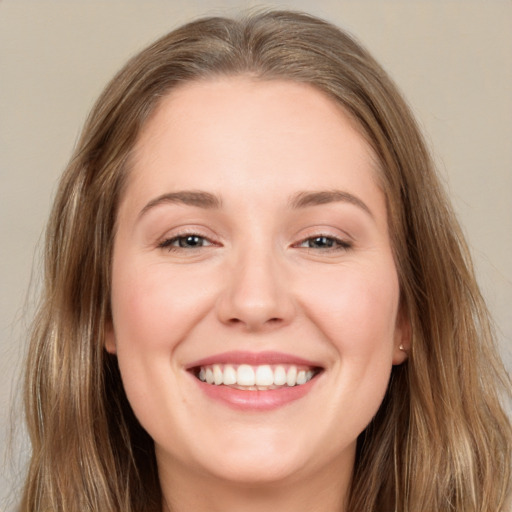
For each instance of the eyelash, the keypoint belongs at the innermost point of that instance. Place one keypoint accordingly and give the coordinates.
(336, 243)
(333, 243)
(169, 242)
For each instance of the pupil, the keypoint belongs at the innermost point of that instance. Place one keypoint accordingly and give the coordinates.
(190, 241)
(322, 241)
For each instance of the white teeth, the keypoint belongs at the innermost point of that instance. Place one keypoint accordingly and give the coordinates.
(245, 375)
(291, 376)
(229, 375)
(217, 375)
(264, 376)
(260, 377)
(280, 376)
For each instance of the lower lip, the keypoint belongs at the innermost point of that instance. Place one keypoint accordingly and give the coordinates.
(256, 400)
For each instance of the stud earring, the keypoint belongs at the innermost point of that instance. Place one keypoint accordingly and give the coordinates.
(401, 347)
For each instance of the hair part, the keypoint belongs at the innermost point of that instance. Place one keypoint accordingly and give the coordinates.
(440, 441)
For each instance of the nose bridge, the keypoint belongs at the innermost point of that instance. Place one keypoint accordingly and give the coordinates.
(256, 292)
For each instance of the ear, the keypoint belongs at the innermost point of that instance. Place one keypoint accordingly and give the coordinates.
(110, 338)
(403, 334)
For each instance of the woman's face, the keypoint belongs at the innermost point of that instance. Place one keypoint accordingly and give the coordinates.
(254, 292)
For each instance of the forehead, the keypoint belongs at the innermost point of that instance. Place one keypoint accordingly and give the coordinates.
(223, 132)
(243, 95)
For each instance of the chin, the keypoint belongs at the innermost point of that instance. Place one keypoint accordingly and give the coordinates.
(257, 471)
(268, 457)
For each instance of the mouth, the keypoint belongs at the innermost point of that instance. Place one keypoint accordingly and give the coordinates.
(259, 382)
(264, 377)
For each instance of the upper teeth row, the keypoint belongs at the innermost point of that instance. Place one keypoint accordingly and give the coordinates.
(246, 375)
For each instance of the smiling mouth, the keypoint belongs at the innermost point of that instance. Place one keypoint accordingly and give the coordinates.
(255, 378)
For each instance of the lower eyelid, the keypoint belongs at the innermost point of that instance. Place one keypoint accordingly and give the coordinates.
(339, 244)
(168, 243)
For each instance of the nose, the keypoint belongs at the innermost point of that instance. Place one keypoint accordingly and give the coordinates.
(257, 293)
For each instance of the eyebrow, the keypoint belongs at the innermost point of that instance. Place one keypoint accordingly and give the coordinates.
(210, 201)
(306, 199)
(187, 197)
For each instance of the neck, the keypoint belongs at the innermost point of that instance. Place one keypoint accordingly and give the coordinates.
(324, 491)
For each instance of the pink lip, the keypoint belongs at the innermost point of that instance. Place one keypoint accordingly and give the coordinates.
(252, 358)
(254, 400)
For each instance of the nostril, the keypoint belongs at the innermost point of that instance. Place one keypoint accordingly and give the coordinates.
(274, 321)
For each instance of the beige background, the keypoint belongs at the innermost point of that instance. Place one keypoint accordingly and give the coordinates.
(452, 59)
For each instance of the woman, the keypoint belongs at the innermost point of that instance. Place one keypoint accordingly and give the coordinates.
(257, 295)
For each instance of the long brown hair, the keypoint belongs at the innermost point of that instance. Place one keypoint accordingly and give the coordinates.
(440, 441)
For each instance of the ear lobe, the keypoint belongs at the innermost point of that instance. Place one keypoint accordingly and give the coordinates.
(400, 355)
(110, 338)
(402, 344)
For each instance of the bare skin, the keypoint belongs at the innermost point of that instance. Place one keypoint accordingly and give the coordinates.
(253, 225)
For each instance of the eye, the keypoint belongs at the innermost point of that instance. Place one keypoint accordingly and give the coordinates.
(325, 243)
(187, 241)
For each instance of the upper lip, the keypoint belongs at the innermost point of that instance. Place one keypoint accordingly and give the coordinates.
(253, 359)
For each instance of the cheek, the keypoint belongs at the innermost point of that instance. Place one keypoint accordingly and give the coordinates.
(154, 309)
(356, 308)
(154, 306)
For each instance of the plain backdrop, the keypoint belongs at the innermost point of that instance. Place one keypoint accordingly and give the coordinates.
(452, 60)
